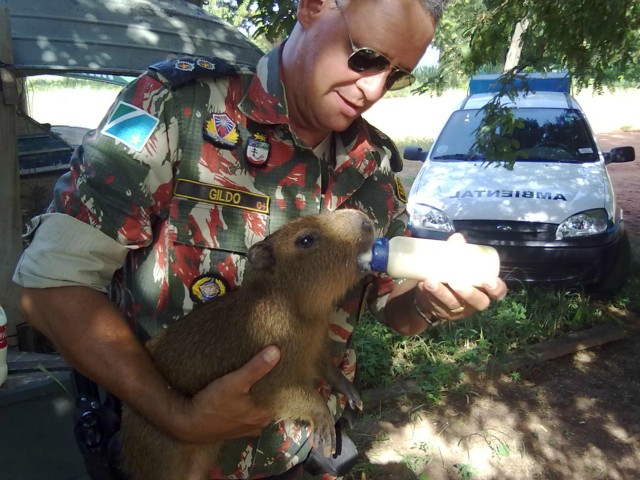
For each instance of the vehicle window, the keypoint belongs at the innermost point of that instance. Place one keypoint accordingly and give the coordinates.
(547, 134)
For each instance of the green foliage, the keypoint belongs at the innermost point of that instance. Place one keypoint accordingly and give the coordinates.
(494, 135)
(597, 42)
(242, 14)
(268, 20)
(628, 298)
(438, 358)
(466, 470)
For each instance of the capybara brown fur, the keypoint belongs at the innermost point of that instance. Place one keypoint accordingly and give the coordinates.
(293, 282)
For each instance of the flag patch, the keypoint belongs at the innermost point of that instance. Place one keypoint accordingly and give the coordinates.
(130, 125)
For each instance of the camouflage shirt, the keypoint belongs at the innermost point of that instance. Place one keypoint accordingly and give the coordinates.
(193, 164)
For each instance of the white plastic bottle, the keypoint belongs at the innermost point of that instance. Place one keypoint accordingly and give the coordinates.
(447, 262)
(3, 347)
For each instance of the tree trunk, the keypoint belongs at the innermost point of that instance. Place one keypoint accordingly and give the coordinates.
(513, 56)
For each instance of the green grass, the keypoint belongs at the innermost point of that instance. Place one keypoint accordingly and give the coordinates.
(438, 358)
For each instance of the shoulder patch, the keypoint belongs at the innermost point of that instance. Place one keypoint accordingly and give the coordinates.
(401, 193)
(181, 70)
(380, 138)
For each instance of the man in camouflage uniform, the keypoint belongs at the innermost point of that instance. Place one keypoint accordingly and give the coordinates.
(197, 160)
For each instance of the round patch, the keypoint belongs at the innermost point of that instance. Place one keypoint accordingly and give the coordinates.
(184, 65)
(201, 62)
(207, 287)
(257, 150)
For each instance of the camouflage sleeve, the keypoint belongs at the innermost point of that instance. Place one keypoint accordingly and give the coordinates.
(121, 178)
(120, 181)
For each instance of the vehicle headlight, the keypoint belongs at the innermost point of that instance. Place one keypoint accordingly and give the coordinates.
(583, 224)
(425, 216)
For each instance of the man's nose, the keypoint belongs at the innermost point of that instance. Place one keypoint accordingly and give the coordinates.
(372, 84)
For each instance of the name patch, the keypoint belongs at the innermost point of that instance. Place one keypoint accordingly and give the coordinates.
(218, 195)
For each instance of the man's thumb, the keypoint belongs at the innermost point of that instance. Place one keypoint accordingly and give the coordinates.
(258, 366)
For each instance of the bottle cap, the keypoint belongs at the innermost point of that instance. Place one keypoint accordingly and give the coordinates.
(379, 255)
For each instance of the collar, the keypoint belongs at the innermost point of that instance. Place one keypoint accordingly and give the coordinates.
(265, 103)
(265, 100)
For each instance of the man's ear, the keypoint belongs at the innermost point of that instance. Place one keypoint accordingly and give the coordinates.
(309, 10)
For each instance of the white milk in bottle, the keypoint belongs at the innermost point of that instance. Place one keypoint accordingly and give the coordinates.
(446, 262)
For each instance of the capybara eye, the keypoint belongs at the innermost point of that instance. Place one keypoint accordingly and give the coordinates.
(306, 240)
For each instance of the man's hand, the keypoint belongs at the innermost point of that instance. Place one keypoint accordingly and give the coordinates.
(438, 301)
(225, 409)
(452, 301)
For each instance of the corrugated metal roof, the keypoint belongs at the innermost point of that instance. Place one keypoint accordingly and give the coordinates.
(117, 36)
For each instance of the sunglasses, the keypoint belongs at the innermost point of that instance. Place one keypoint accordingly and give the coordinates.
(367, 59)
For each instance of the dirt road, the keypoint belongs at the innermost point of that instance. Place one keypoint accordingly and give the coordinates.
(625, 176)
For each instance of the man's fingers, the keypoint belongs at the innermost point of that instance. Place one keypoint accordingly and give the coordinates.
(457, 238)
(498, 290)
(255, 369)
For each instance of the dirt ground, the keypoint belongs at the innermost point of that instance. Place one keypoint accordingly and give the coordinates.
(575, 417)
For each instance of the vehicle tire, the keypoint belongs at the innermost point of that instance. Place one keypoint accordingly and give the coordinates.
(617, 276)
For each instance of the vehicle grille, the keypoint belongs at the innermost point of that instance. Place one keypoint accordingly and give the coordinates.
(506, 231)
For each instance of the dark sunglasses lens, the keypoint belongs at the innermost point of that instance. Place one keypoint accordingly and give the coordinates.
(399, 79)
(365, 59)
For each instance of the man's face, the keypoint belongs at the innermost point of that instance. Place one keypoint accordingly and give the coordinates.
(323, 92)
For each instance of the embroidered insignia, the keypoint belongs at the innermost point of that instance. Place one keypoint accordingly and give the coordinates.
(207, 287)
(219, 195)
(221, 130)
(400, 191)
(206, 64)
(130, 125)
(184, 65)
(258, 150)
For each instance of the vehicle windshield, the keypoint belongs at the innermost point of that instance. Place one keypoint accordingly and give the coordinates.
(546, 134)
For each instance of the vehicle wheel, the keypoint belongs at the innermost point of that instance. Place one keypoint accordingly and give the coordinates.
(617, 276)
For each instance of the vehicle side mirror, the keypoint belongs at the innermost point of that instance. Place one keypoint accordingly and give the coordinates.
(414, 153)
(620, 155)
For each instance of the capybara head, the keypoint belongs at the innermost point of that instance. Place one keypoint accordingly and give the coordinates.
(317, 253)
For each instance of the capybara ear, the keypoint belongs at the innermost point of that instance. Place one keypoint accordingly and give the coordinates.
(261, 256)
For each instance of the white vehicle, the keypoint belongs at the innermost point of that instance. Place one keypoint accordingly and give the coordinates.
(553, 217)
